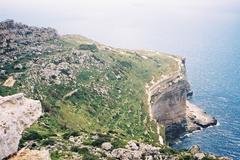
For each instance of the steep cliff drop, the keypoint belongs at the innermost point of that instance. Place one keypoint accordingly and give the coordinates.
(16, 114)
(169, 106)
(94, 99)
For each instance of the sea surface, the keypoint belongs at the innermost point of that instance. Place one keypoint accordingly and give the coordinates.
(214, 73)
(206, 32)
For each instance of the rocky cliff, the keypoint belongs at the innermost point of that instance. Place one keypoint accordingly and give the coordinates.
(169, 106)
(93, 96)
(16, 114)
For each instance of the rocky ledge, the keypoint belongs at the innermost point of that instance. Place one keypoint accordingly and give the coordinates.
(16, 114)
(197, 118)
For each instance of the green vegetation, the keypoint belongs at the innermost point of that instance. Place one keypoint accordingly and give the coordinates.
(109, 99)
(91, 47)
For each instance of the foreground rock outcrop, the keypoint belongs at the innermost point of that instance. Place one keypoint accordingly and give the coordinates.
(16, 114)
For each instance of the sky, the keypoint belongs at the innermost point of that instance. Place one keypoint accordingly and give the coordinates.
(114, 21)
(196, 29)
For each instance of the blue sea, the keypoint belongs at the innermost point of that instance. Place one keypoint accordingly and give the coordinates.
(206, 32)
(214, 73)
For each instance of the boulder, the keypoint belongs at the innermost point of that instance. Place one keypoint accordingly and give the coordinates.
(18, 66)
(106, 146)
(211, 156)
(224, 158)
(126, 154)
(194, 149)
(2, 72)
(16, 114)
(199, 156)
(132, 146)
(27, 154)
(9, 82)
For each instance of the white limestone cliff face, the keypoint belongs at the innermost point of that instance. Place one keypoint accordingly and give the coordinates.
(167, 101)
(169, 107)
(16, 114)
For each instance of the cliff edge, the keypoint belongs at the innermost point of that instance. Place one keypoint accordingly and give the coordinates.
(93, 98)
(169, 105)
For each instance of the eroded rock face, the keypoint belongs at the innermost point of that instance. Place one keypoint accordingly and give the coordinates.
(168, 102)
(16, 114)
(169, 106)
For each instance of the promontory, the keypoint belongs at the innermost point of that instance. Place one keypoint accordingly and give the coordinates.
(69, 97)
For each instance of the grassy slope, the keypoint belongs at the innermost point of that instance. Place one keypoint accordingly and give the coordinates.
(110, 98)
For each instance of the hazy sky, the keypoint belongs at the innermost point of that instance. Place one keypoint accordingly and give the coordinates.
(115, 21)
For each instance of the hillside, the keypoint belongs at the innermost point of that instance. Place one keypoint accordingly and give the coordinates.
(95, 97)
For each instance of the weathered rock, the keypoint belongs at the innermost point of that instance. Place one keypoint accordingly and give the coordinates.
(194, 149)
(132, 146)
(60, 70)
(169, 105)
(198, 118)
(168, 102)
(106, 146)
(199, 156)
(16, 114)
(134, 151)
(224, 158)
(18, 66)
(26, 154)
(149, 149)
(9, 82)
(2, 72)
(211, 156)
(125, 154)
(18, 41)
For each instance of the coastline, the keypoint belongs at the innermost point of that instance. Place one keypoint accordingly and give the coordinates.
(193, 119)
(197, 118)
